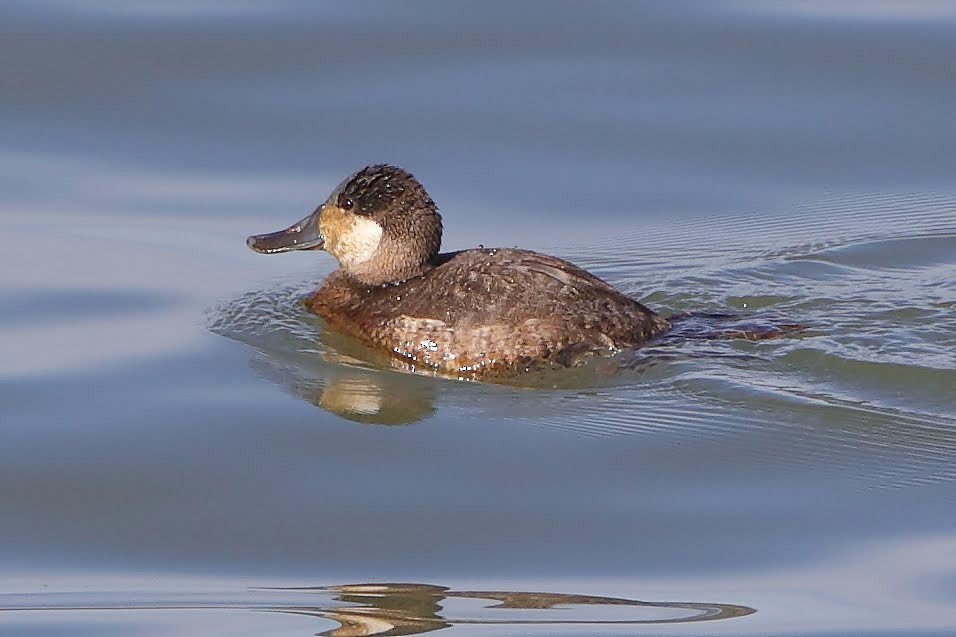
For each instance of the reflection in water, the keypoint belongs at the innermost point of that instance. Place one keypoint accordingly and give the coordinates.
(391, 608)
(360, 395)
(373, 399)
(335, 373)
(411, 609)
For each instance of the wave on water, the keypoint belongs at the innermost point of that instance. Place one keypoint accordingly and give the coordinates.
(873, 277)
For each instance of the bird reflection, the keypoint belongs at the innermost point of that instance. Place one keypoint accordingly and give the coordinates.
(383, 609)
(374, 398)
(412, 609)
(357, 394)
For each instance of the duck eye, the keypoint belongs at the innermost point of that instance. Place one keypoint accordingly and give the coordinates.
(346, 204)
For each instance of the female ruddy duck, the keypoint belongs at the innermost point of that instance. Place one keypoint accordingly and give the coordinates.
(483, 313)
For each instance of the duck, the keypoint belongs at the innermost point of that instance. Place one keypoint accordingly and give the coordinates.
(481, 313)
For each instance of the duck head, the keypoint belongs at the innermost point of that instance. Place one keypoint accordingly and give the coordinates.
(379, 224)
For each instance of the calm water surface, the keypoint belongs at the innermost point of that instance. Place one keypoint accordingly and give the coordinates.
(184, 450)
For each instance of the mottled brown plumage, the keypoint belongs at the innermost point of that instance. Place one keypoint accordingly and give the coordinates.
(489, 312)
(484, 313)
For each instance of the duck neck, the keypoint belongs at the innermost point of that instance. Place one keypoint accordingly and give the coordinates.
(391, 264)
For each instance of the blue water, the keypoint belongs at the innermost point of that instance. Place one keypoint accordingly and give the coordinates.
(181, 445)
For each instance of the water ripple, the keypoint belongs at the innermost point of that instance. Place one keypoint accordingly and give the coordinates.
(872, 276)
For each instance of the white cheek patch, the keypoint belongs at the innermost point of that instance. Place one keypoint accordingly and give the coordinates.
(359, 244)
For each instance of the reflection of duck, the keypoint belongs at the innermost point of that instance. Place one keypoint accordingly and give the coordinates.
(359, 395)
(374, 399)
(480, 312)
(387, 609)
(412, 609)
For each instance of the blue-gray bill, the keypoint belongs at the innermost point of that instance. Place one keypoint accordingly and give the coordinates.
(302, 235)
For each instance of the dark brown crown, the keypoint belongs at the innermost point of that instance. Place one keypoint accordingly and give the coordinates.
(376, 189)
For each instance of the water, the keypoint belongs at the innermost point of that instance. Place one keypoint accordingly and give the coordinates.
(183, 450)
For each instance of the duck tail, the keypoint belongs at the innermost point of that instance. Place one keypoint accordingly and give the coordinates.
(714, 326)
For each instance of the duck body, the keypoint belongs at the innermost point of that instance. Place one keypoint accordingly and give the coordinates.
(480, 313)
(489, 313)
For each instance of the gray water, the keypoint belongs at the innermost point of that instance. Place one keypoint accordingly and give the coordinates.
(184, 450)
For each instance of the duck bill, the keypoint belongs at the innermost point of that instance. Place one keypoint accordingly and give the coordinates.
(304, 235)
